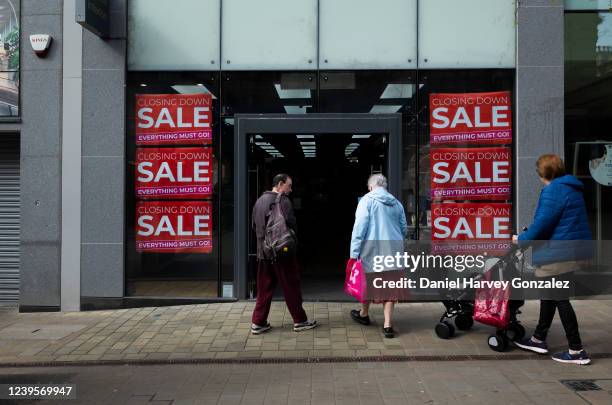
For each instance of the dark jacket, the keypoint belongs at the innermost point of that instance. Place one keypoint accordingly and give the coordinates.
(260, 216)
(560, 216)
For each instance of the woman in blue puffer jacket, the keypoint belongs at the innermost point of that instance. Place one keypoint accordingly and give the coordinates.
(561, 219)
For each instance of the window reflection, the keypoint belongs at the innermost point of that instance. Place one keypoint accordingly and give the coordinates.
(588, 112)
(9, 58)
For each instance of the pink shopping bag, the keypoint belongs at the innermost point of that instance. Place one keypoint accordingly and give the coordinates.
(355, 281)
(491, 306)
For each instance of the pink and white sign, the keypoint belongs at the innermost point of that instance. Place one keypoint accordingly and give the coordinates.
(174, 226)
(170, 119)
(177, 173)
(471, 173)
(471, 227)
(470, 118)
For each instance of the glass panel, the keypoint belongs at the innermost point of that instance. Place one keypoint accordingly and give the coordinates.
(588, 4)
(9, 94)
(588, 115)
(173, 35)
(227, 201)
(270, 34)
(172, 264)
(367, 92)
(9, 58)
(447, 81)
(389, 41)
(9, 34)
(269, 92)
(409, 173)
(467, 34)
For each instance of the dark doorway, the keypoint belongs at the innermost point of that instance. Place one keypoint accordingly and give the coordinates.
(329, 173)
(329, 157)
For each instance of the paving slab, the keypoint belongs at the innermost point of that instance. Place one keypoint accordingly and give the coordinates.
(220, 332)
(460, 382)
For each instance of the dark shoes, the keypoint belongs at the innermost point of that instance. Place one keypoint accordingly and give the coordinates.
(356, 315)
(581, 358)
(365, 320)
(536, 347)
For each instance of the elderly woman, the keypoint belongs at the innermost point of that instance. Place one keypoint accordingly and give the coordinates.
(560, 216)
(379, 217)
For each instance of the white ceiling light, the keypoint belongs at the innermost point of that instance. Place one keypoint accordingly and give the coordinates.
(385, 109)
(291, 93)
(198, 89)
(304, 136)
(308, 143)
(350, 148)
(296, 109)
(398, 91)
(361, 136)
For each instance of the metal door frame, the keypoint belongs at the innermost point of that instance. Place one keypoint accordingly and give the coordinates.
(245, 124)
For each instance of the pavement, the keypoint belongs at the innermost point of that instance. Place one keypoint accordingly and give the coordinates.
(217, 333)
(389, 383)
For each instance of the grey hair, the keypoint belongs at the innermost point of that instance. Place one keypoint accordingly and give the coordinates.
(377, 180)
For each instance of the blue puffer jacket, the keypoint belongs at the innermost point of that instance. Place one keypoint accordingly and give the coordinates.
(560, 216)
(379, 217)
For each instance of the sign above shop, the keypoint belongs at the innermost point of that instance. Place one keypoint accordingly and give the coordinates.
(94, 15)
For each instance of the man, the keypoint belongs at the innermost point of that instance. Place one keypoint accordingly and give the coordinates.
(284, 269)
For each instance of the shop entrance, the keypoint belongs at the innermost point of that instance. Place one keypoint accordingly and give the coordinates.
(329, 159)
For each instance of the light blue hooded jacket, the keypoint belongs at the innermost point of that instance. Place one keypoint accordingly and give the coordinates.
(379, 216)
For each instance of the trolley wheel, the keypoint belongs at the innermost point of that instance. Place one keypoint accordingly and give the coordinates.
(515, 332)
(444, 330)
(498, 342)
(464, 322)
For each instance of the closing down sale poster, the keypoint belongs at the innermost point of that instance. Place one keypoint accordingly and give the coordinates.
(178, 173)
(170, 119)
(471, 227)
(470, 118)
(174, 226)
(471, 173)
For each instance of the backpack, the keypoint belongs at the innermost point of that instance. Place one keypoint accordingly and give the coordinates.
(279, 239)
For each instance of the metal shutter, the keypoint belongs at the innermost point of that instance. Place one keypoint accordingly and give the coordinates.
(9, 218)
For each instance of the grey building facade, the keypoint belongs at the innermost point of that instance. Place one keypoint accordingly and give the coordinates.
(74, 164)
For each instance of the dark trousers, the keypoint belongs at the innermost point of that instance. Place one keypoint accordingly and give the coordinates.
(286, 272)
(568, 319)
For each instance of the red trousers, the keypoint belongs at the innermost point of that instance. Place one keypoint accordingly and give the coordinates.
(286, 272)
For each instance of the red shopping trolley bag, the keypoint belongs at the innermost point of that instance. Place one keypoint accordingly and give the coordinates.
(491, 305)
(355, 281)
